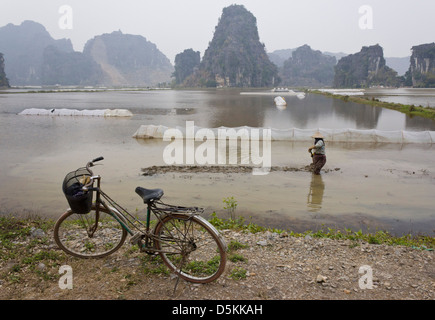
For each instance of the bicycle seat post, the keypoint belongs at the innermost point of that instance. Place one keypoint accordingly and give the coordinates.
(148, 221)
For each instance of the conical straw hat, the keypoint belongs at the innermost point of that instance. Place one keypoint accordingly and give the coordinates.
(317, 135)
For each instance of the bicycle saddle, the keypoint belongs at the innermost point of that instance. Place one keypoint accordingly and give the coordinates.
(149, 195)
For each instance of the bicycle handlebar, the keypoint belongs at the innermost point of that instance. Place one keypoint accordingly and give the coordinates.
(98, 159)
(91, 163)
(88, 166)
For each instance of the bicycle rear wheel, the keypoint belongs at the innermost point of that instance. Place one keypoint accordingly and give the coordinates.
(81, 235)
(191, 247)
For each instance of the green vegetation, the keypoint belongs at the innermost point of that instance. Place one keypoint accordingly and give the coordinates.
(203, 267)
(364, 69)
(237, 224)
(235, 245)
(23, 255)
(238, 273)
(4, 82)
(230, 206)
(25, 252)
(235, 257)
(378, 237)
(153, 265)
(411, 110)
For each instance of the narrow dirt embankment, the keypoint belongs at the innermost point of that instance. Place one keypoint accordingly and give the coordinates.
(261, 266)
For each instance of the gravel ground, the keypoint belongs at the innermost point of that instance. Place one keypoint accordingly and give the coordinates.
(275, 267)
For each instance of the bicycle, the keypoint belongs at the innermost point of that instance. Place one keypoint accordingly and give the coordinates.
(187, 243)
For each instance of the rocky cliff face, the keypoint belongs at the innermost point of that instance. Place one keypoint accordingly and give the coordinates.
(35, 58)
(186, 63)
(4, 82)
(128, 60)
(308, 67)
(69, 68)
(363, 69)
(23, 48)
(422, 65)
(235, 57)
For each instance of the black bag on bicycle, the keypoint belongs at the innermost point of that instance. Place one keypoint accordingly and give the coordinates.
(80, 201)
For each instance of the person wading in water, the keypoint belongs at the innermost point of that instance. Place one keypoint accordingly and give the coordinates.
(319, 155)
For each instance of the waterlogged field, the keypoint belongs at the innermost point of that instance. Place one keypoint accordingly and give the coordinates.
(363, 186)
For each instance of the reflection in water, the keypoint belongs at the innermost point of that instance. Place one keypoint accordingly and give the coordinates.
(222, 107)
(315, 194)
(40, 150)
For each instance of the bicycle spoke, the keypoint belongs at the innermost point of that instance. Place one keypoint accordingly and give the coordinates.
(73, 234)
(190, 248)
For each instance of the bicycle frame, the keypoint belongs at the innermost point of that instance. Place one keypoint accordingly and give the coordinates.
(127, 220)
(188, 244)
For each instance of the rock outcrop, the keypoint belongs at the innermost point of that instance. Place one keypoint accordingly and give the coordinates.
(235, 56)
(4, 82)
(34, 58)
(23, 48)
(364, 69)
(69, 68)
(307, 67)
(422, 66)
(128, 60)
(186, 63)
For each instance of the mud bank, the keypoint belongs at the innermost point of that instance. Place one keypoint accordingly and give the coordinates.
(153, 170)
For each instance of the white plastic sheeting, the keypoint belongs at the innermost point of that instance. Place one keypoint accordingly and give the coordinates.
(295, 134)
(73, 112)
(150, 132)
(300, 95)
(280, 101)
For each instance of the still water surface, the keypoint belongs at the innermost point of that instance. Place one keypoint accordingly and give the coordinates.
(367, 186)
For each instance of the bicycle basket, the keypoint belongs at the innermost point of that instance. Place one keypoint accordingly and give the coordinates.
(80, 201)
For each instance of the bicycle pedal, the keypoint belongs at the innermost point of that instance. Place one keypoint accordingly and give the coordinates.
(150, 253)
(136, 238)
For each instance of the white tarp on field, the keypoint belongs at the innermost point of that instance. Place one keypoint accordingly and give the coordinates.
(73, 112)
(293, 134)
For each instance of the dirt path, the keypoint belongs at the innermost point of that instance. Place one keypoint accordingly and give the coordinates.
(272, 267)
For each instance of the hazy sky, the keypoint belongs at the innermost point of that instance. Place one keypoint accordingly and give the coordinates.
(175, 25)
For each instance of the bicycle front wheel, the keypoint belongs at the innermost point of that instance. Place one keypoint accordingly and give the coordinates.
(191, 247)
(89, 235)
